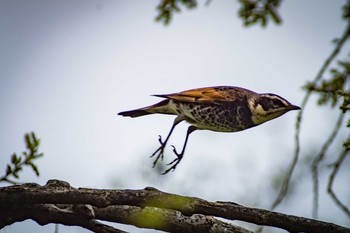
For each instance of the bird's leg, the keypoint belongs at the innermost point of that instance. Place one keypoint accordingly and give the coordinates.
(160, 151)
(176, 161)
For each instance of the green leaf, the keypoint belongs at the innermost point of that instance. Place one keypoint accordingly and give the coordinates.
(36, 141)
(274, 15)
(18, 168)
(27, 140)
(15, 175)
(34, 167)
(8, 170)
(14, 159)
(38, 155)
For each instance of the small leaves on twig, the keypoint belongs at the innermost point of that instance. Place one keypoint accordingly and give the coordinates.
(346, 10)
(167, 8)
(334, 89)
(259, 11)
(252, 12)
(27, 158)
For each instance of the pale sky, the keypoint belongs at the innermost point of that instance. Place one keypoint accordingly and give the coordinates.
(68, 67)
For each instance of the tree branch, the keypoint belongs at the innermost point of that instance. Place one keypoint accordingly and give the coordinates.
(141, 207)
(48, 213)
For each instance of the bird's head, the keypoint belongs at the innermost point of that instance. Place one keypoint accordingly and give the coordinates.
(265, 107)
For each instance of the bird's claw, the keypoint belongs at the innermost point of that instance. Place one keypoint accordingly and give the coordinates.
(159, 151)
(160, 140)
(175, 162)
(177, 154)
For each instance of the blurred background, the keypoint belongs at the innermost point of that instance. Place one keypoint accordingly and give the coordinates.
(68, 67)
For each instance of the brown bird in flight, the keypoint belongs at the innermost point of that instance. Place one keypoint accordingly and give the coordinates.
(220, 108)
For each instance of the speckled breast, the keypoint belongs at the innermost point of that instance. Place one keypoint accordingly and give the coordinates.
(217, 116)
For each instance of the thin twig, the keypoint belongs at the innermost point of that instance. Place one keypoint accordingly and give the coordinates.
(5, 179)
(317, 160)
(331, 180)
(318, 77)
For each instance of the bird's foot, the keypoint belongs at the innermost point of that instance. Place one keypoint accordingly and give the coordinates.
(159, 152)
(175, 162)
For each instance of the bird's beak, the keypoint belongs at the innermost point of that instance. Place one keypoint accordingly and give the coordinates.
(294, 107)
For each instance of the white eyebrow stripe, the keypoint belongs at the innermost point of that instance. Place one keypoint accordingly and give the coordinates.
(273, 96)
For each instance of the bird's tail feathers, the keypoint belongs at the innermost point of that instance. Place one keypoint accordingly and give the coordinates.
(134, 113)
(160, 107)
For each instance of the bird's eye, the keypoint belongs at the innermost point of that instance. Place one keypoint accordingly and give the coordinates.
(265, 103)
(277, 102)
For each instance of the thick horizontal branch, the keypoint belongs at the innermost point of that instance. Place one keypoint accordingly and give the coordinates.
(58, 192)
(48, 213)
(85, 216)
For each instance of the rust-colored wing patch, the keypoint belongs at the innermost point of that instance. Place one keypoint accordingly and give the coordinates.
(207, 94)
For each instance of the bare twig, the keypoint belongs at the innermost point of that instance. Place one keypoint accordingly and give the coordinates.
(317, 160)
(331, 180)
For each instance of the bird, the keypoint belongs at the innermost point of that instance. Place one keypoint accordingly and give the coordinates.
(217, 108)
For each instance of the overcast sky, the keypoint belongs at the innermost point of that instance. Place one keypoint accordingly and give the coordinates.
(68, 67)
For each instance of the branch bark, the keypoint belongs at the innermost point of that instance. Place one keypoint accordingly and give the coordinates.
(58, 202)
